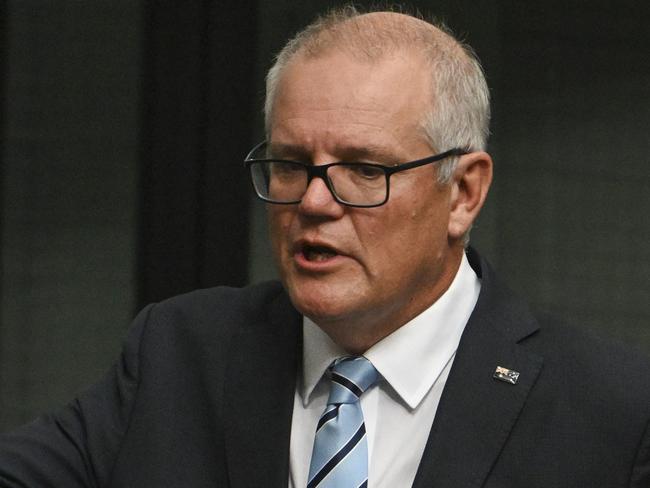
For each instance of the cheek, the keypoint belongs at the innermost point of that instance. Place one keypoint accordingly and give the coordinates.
(385, 238)
(279, 223)
(422, 228)
(431, 207)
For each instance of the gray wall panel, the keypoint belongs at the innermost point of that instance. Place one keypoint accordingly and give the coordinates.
(69, 193)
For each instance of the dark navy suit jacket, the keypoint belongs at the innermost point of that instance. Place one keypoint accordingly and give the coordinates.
(202, 397)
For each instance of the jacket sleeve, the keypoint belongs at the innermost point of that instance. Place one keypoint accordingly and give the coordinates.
(77, 446)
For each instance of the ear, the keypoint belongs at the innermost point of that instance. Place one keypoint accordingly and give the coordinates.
(470, 185)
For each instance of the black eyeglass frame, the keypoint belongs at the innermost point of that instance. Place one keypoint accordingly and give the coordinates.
(320, 171)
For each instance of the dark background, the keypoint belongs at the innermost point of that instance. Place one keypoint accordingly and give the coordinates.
(124, 123)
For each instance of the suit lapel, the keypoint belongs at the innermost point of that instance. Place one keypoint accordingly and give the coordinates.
(477, 412)
(258, 400)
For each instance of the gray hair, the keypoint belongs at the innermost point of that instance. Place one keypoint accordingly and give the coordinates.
(460, 110)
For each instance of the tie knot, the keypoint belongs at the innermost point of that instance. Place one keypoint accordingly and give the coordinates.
(351, 376)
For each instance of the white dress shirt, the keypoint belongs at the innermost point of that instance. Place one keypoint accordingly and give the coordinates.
(414, 362)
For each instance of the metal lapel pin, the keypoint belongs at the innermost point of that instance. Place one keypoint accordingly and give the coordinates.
(507, 375)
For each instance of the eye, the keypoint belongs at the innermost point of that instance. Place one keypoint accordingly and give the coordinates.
(285, 168)
(365, 171)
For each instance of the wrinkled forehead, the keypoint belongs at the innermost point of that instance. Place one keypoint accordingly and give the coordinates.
(395, 85)
(336, 100)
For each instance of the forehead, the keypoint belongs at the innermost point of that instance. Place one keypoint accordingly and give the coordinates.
(338, 96)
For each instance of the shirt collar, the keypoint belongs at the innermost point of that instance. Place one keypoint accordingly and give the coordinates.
(411, 358)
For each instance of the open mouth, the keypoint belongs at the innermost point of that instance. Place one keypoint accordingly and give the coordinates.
(318, 253)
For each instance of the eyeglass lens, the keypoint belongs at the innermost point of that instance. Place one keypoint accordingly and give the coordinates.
(287, 182)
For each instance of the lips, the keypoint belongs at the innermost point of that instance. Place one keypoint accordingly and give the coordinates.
(316, 252)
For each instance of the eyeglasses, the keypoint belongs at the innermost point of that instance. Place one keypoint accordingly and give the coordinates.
(352, 184)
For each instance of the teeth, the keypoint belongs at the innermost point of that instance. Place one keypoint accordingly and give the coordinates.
(318, 254)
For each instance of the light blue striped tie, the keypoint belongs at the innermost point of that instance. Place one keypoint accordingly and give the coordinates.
(340, 456)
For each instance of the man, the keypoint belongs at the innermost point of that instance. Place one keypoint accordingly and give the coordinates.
(374, 167)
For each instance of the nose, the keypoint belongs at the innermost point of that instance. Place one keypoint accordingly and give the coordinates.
(319, 201)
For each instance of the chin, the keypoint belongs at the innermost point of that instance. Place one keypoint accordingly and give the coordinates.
(321, 302)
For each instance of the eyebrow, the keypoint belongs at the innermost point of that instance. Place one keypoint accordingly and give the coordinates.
(372, 153)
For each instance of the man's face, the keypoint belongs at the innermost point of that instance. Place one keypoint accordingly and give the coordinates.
(364, 269)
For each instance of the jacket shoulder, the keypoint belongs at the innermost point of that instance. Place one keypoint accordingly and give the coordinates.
(204, 321)
(592, 367)
(258, 291)
(224, 304)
